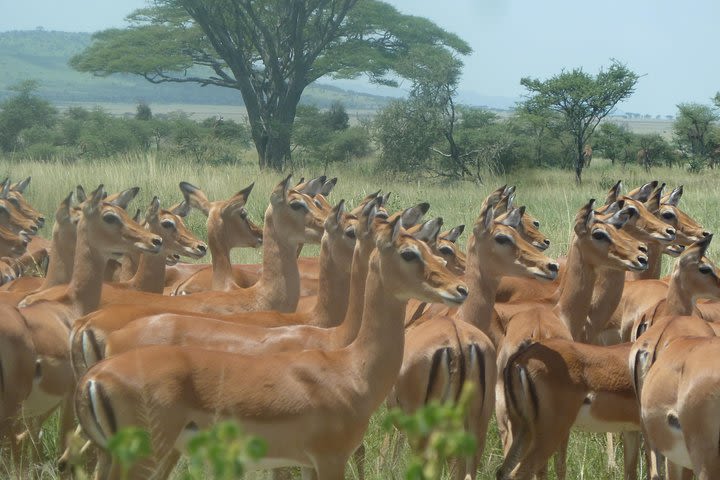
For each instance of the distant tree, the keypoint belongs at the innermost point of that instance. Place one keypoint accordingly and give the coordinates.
(653, 148)
(541, 126)
(583, 100)
(21, 111)
(143, 112)
(269, 50)
(612, 140)
(337, 117)
(693, 127)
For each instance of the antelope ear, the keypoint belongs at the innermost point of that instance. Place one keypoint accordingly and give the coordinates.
(181, 209)
(280, 192)
(612, 208)
(674, 197)
(384, 199)
(622, 216)
(328, 187)
(124, 198)
(80, 195)
(643, 193)
(453, 234)
(245, 192)
(5, 188)
(313, 186)
(21, 185)
(585, 218)
(698, 249)
(654, 200)
(136, 217)
(95, 199)
(513, 218)
(333, 221)
(397, 227)
(151, 215)
(195, 197)
(412, 215)
(614, 193)
(429, 230)
(67, 201)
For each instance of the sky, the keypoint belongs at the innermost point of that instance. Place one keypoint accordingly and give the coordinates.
(670, 43)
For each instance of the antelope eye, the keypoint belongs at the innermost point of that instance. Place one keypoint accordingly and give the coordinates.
(631, 212)
(668, 215)
(536, 224)
(600, 235)
(297, 206)
(243, 213)
(446, 251)
(111, 219)
(14, 201)
(167, 224)
(350, 233)
(317, 203)
(503, 240)
(705, 269)
(409, 255)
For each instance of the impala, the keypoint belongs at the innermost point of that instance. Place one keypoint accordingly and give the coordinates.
(304, 423)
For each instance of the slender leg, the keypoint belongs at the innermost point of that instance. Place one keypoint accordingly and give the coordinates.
(631, 454)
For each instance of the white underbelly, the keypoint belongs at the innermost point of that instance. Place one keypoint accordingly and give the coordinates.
(678, 454)
(587, 422)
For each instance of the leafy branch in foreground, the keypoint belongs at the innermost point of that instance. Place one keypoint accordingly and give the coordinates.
(436, 433)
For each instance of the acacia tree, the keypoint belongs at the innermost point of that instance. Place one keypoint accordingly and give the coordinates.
(583, 100)
(269, 50)
(693, 127)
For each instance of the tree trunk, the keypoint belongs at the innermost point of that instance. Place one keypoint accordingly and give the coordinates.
(271, 132)
(579, 160)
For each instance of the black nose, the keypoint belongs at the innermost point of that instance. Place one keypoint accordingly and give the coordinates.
(157, 241)
(706, 234)
(670, 231)
(41, 221)
(462, 290)
(643, 249)
(642, 260)
(553, 267)
(33, 228)
(547, 242)
(202, 248)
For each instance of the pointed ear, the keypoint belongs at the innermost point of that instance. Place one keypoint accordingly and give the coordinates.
(80, 195)
(397, 227)
(513, 218)
(699, 248)
(5, 188)
(642, 194)
(612, 208)
(453, 234)
(67, 201)
(384, 199)
(328, 187)
(485, 221)
(412, 215)
(674, 197)
(124, 198)
(503, 205)
(614, 193)
(333, 221)
(300, 182)
(245, 192)
(94, 201)
(195, 197)
(151, 215)
(280, 192)
(21, 185)
(622, 216)
(585, 218)
(313, 186)
(653, 201)
(181, 209)
(429, 230)
(136, 217)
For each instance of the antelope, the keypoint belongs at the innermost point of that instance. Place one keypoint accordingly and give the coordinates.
(443, 352)
(103, 230)
(304, 423)
(597, 244)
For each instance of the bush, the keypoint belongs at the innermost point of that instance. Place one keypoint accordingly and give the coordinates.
(40, 151)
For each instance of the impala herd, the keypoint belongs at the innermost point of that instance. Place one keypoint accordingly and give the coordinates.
(302, 351)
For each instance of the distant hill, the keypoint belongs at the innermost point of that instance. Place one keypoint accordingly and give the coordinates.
(43, 56)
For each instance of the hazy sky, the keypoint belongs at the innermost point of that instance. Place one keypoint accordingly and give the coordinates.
(668, 41)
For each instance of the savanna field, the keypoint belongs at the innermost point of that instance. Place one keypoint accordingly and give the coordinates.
(550, 195)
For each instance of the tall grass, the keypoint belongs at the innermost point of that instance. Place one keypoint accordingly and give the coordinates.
(551, 196)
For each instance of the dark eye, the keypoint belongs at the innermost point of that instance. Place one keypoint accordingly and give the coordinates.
(447, 251)
(600, 235)
(350, 233)
(167, 224)
(409, 255)
(317, 203)
(668, 215)
(14, 201)
(503, 240)
(536, 224)
(705, 269)
(242, 213)
(111, 219)
(297, 206)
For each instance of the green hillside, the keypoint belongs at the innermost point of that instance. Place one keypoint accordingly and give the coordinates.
(43, 56)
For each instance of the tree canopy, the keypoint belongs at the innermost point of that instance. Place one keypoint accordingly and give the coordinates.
(583, 100)
(270, 50)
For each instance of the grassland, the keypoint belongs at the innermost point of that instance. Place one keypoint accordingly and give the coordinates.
(551, 196)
